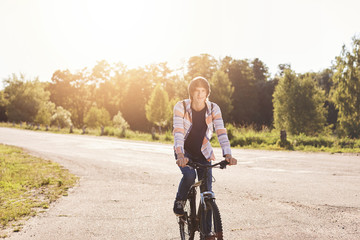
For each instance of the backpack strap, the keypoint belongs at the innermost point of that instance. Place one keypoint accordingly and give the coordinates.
(184, 104)
(212, 107)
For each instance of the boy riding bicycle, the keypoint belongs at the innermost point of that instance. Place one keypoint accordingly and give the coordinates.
(194, 120)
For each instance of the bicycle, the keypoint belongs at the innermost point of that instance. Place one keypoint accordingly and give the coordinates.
(193, 221)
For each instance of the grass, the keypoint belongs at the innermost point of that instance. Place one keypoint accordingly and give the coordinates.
(247, 138)
(28, 185)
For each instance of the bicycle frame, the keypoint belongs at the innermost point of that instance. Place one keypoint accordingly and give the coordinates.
(194, 216)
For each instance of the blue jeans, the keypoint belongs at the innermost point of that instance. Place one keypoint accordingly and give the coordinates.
(188, 179)
(189, 176)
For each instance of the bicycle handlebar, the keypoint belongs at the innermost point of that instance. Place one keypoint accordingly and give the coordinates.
(222, 164)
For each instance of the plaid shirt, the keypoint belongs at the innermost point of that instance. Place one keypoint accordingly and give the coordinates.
(183, 122)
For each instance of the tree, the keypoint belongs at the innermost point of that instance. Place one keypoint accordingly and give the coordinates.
(97, 117)
(158, 107)
(264, 90)
(136, 94)
(265, 100)
(346, 91)
(203, 65)
(24, 98)
(161, 73)
(282, 67)
(225, 64)
(3, 103)
(74, 92)
(298, 105)
(109, 81)
(221, 93)
(61, 117)
(244, 98)
(260, 70)
(325, 82)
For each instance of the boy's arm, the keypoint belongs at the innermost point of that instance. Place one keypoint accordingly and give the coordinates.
(221, 130)
(178, 128)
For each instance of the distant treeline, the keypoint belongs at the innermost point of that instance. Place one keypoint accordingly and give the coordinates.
(140, 98)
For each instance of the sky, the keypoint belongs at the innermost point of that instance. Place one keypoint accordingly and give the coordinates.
(38, 37)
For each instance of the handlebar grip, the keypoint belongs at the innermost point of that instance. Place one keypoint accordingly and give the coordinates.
(190, 163)
(223, 164)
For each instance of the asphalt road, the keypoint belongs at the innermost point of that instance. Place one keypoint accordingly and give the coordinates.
(127, 189)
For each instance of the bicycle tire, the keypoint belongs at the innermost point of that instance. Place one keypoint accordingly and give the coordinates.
(215, 231)
(188, 220)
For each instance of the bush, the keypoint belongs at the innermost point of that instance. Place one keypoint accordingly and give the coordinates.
(61, 117)
(168, 136)
(345, 143)
(119, 121)
(97, 117)
(317, 142)
(285, 144)
(109, 131)
(230, 131)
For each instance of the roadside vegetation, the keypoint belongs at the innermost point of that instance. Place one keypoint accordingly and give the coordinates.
(28, 185)
(247, 138)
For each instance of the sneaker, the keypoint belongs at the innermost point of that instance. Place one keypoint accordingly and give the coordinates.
(210, 237)
(179, 207)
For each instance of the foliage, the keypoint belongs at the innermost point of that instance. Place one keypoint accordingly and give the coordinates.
(325, 82)
(137, 91)
(298, 105)
(249, 137)
(97, 117)
(203, 65)
(265, 91)
(45, 113)
(119, 121)
(73, 92)
(61, 117)
(244, 98)
(161, 74)
(158, 107)
(241, 137)
(243, 88)
(221, 93)
(260, 70)
(346, 91)
(252, 96)
(108, 80)
(24, 98)
(3, 104)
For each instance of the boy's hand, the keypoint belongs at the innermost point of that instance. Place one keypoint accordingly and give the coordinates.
(230, 159)
(182, 161)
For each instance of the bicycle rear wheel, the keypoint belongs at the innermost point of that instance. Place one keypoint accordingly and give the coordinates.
(187, 222)
(210, 221)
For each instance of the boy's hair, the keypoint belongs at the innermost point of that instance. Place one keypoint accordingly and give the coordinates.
(198, 82)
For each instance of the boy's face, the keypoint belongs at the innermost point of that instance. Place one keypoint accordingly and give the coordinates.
(199, 95)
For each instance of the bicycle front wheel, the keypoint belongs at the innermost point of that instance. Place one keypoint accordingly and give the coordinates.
(210, 221)
(187, 222)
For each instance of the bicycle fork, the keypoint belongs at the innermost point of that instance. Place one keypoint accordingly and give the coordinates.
(208, 195)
